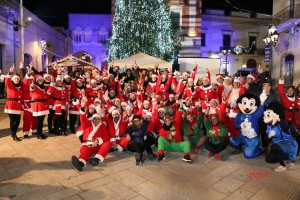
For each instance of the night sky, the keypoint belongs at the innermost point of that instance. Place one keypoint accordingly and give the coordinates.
(55, 12)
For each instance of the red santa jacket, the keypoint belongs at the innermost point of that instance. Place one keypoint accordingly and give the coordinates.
(289, 104)
(116, 130)
(26, 94)
(92, 133)
(13, 101)
(59, 95)
(40, 106)
(207, 94)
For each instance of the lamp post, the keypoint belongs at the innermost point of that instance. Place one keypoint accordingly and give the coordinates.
(226, 53)
(271, 40)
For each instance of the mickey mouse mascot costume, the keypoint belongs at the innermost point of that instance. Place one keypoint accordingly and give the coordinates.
(247, 121)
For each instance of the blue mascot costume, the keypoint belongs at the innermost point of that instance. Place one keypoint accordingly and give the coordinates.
(284, 145)
(247, 121)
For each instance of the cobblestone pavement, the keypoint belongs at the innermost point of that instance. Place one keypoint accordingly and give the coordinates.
(41, 169)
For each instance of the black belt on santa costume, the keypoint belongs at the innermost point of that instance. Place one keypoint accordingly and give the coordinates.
(39, 100)
(13, 99)
(298, 109)
(93, 97)
(290, 110)
(59, 99)
(88, 140)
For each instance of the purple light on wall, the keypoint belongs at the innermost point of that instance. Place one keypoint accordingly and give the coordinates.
(90, 33)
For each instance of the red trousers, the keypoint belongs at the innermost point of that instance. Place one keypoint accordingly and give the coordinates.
(122, 142)
(29, 122)
(86, 151)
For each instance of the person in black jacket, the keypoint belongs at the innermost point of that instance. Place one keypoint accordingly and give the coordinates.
(135, 134)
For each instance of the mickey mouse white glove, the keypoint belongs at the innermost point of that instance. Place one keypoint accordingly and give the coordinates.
(272, 133)
(263, 97)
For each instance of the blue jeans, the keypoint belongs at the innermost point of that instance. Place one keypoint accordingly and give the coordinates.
(289, 148)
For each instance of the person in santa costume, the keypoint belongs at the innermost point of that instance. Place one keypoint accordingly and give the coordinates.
(94, 140)
(220, 84)
(60, 96)
(170, 140)
(117, 126)
(289, 101)
(207, 92)
(13, 105)
(76, 96)
(232, 109)
(40, 107)
(217, 138)
(227, 85)
(29, 121)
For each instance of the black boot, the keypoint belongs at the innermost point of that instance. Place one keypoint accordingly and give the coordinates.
(237, 151)
(77, 163)
(94, 161)
(42, 136)
(16, 138)
(138, 158)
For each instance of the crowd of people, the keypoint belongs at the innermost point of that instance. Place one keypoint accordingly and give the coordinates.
(141, 110)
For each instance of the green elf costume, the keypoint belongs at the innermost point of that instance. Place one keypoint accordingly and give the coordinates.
(217, 136)
(191, 130)
(170, 140)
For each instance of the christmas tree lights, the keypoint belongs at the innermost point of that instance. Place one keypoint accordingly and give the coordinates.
(142, 26)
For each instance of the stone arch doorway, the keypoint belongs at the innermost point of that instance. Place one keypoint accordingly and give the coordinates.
(251, 63)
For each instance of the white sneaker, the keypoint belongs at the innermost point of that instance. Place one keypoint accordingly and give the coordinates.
(280, 168)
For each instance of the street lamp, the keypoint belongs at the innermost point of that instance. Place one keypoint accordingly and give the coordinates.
(226, 53)
(272, 37)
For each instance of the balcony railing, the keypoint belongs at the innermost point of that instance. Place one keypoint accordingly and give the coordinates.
(292, 11)
(255, 51)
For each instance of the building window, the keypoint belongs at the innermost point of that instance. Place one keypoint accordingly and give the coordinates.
(77, 34)
(44, 58)
(226, 40)
(203, 39)
(252, 44)
(103, 34)
(88, 35)
(288, 69)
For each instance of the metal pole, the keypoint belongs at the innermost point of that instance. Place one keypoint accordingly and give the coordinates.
(226, 63)
(22, 30)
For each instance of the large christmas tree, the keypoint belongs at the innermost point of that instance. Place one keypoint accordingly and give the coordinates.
(142, 26)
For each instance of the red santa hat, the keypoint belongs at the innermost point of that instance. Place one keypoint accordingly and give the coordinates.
(215, 100)
(58, 78)
(237, 80)
(37, 77)
(111, 108)
(92, 106)
(161, 109)
(115, 112)
(167, 118)
(97, 100)
(15, 76)
(219, 76)
(96, 116)
(124, 104)
(185, 74)
(105, 78)
(227, 78)
(93, 81)
(215, 115)
(253, 77)
(46, 75)
(66, 76)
